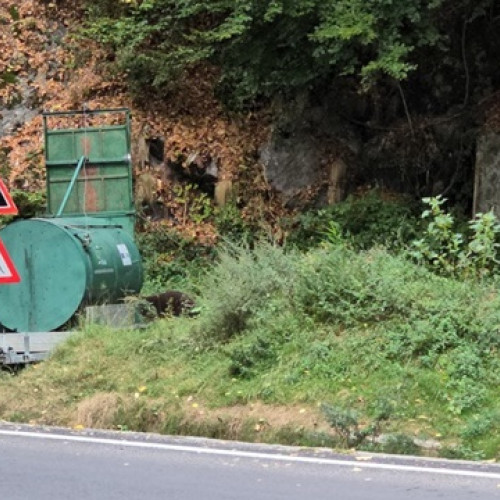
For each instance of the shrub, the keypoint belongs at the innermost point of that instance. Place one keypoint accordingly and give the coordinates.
(348, 428)
(364, 222)
(255, 353)
(29, 204)
(241, 284)
(400, 444)
(346, 424)
(336, 284)
(170, 259)
(448, 252)
(231, 226)
(407, 314)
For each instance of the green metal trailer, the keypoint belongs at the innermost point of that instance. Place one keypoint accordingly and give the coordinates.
(82, 252)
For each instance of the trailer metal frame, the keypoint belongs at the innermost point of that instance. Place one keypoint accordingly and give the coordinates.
(23, 348)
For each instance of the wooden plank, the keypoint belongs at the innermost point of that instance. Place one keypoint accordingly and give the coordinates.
(37, 341)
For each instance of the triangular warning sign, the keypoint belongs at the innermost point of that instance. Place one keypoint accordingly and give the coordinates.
(7, 206)
(8, 273)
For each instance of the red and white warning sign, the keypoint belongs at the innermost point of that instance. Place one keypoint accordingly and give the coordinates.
(7, 206)
(8, 272)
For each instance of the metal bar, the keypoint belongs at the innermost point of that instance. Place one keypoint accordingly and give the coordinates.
(128, 128)
(129, 148)
(70, 187)
(24, 348)
(65, 131)
(73, 145)
(102, 215)
(85, 112)
(99, 161)
(64, 180)
(11, 357)
(111, 214)
(26, 345)
(46, 152)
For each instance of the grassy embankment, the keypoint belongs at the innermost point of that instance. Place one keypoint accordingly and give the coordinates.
(329, 347)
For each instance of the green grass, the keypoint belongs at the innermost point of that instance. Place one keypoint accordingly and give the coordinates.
(331, 347)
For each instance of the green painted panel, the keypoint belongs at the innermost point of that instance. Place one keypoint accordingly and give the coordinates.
(104, 184)
(97, 144)
(60, 147)
(99, 188)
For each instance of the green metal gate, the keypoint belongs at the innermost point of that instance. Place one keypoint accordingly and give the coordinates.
(89, 169)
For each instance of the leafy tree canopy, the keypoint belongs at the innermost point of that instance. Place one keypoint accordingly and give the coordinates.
(270, 47)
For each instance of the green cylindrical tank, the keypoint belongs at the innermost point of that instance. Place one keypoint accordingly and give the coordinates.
(63, 264)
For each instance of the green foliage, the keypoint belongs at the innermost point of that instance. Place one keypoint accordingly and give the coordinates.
(362, 222)
(6, 78)
(29, 204)
(171, 260)
(400, 444)
(452, 253)
(345, 27)
(195, 205)
(252, 355)
(427, 319)
(461, 452)
(481, 424)
(382, 344)
(243, 283)
(271, 328)
(279, 47)
(231, 226)
(338, 285)
(346, 423)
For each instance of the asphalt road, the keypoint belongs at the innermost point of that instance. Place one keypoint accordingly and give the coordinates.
(47, 463)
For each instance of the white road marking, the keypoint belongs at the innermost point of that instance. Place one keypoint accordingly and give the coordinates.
(255, 455)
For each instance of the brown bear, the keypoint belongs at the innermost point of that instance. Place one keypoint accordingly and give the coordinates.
(171, 302)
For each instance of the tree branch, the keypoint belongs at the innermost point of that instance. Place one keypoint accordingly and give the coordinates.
(466, 67)
(407, 112)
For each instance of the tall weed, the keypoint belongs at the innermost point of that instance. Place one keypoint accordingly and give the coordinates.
(446, 251)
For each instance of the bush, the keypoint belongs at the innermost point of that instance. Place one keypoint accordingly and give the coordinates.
(364, 222)
(400, 444)
(408, 314)
(240, 285)
(29, 204)
(170, 260)
(253, 354)
(444, 250)
(338, 285)
(231, 226)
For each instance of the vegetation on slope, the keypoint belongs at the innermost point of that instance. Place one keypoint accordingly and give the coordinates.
(325, 340)
(267, 49)
(328, 346)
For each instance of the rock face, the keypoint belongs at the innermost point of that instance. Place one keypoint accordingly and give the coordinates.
(291, 162)
(487, 175)
(16, 116)
(306, 147)
(12, 119)
(326, 147)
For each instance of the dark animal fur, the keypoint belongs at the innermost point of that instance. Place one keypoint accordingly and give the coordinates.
(171, 302)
